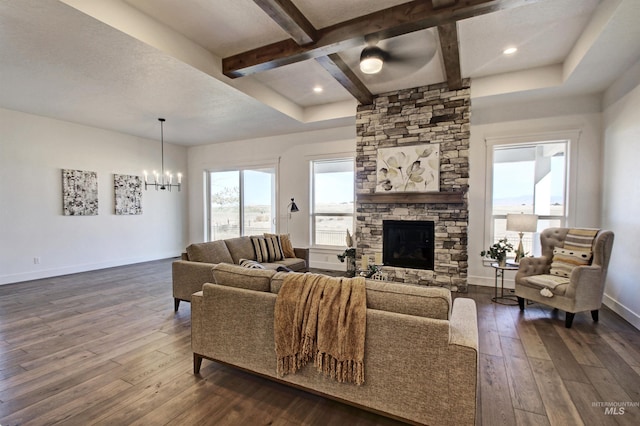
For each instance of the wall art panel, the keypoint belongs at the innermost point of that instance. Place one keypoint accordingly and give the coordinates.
(79, 193)
(128, 194)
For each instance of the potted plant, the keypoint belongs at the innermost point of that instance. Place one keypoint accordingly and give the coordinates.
(498, 251)
(350, 256)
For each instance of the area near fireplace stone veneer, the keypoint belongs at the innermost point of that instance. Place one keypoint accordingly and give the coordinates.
(430, 114)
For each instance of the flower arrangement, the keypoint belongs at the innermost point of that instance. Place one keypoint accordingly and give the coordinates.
(498, 251)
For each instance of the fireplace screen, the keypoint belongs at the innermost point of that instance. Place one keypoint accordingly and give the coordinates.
(408, 243)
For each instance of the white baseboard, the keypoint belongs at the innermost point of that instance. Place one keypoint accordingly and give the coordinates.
(74, 269)
(490, 281)
(331, 266)
(622, 310)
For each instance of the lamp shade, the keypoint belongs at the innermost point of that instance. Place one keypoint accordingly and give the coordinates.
(371, 60)
(522, 222)
(293, 208)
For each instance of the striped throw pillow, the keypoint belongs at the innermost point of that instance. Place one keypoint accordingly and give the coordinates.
(267, 249)
(285, 244)
(564, 260)
(251, 264)
(580, 239)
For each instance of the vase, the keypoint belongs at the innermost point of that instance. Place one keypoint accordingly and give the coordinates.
(502, 262)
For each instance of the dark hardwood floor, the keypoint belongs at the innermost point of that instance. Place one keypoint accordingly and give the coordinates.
(105, 347)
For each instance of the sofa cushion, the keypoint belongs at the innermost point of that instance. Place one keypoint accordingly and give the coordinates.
(240, 248)
(428, 302)
(421, 301)
(564, 260)
(209, 252)
(240, 277)
(293, 263)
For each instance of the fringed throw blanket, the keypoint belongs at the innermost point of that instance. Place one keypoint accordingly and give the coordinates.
(321, 318)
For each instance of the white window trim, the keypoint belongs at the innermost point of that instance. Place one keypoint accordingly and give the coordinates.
(571, 184)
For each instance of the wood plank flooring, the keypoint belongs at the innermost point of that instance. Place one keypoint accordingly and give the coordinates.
(105, 347)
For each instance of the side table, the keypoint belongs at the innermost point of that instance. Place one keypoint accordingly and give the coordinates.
(502, 299)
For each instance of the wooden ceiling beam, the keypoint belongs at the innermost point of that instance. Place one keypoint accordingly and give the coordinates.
(339, 70)
(448, 34)
(290, 19)
(394, 21)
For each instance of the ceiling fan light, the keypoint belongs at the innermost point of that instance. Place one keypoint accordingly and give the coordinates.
(371, 60)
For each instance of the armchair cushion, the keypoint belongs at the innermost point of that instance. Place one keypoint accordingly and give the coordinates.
(564, 260)
(558, 285)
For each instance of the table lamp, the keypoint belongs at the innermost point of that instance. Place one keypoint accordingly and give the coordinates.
(521, 223)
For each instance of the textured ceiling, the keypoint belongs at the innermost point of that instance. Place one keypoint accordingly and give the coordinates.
(120, 64)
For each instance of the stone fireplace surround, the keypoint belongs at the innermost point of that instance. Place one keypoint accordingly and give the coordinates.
(429, 114)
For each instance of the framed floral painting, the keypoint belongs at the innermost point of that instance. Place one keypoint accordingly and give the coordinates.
(414, 168)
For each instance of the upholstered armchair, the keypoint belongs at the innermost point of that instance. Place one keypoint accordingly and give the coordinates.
(565, 279)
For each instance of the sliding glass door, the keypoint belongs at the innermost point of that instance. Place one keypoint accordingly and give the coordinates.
(241, 202)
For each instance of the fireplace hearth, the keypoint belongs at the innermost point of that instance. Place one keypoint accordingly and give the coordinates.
(408, 243)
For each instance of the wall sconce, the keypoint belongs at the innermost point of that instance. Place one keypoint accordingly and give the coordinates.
(521, 223)
(162, 180)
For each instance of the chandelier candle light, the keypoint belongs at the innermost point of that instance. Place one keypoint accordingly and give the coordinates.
(521, 223)
(163, 180)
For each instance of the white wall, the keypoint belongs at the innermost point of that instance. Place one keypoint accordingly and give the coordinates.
(33, 152)
(588, 197)
(293, 152)
(621, 203)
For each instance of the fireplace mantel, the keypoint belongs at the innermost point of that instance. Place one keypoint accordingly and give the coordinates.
(456, 197)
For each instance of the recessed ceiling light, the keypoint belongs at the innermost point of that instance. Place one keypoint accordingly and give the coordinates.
(510, 50)
(317, 89)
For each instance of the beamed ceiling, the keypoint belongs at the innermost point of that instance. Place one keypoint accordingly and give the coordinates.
(222, 70)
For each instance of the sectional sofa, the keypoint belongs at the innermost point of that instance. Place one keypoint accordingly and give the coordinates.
(194, 268)
(421, 350)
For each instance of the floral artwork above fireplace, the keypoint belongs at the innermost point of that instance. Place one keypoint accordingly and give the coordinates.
(414, 168)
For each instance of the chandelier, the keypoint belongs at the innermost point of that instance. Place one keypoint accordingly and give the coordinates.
(162, 180)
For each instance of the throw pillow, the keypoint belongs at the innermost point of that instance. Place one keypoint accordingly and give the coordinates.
(285, 244)
(565, 260)
(267, 248)
(252, 264)
(580, 239)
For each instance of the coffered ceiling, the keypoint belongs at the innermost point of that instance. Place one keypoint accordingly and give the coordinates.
(120, 64)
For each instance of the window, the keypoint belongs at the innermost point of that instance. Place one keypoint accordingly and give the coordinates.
(332, 201)
(529, 178)
(241, 202)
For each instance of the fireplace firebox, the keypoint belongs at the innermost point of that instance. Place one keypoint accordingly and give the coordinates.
(408, 243)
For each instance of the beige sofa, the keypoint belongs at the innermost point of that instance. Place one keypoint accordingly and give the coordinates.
(194, 269)
(421, 351)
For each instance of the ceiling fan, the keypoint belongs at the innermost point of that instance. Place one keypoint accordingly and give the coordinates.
(402, 55)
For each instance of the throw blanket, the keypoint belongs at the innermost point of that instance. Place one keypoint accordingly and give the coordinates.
(321, 318)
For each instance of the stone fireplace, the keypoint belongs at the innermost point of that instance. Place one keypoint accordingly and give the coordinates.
(430, 114)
